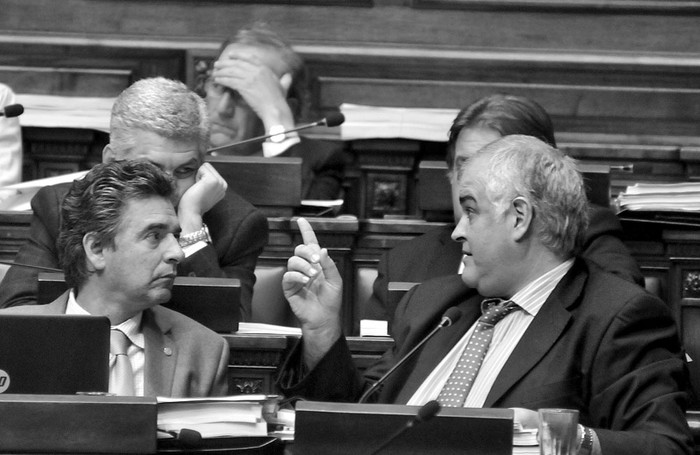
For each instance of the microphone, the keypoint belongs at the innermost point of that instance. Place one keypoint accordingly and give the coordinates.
(333, 119)
(12, 110)
(451, 316)
(186, 437)
(425, 413)
(30, 266)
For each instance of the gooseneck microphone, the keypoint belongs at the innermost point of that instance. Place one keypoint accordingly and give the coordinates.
(12, 110)
(425, 413)
(333, 119)
(451, 316)
(30, 266)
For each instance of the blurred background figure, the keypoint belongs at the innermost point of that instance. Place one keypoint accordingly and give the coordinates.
(10, 142)
(258, 86)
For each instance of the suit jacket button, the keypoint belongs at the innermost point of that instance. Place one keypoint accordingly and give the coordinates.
(168, 351)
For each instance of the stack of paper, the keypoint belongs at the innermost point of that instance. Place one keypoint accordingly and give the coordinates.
(52, 111)
(238, 415)
(258, 328)
(374, 328)
(368, 122)
(671, 197)
(524, 440)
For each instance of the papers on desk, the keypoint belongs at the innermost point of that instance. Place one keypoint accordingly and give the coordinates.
(671, 197)
(238, 415)
(257, 328)
(371, 122)
(52, 111)
(18, 196)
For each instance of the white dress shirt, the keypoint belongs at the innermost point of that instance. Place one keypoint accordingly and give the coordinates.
(136, 352)
(506, 336)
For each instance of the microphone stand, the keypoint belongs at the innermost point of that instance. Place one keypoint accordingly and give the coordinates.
(446, 321)
(331, 120)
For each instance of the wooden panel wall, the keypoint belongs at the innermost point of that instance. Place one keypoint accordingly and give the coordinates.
(629, 68)
(621, 78)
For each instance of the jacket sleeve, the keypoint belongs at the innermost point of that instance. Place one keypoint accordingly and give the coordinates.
(234, 254)
(20, 285)
(638, 383)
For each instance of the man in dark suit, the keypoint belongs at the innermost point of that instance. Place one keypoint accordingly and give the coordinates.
(434, 254)
(161, 121)
(575, 337)
(258, 86)
(119, 249)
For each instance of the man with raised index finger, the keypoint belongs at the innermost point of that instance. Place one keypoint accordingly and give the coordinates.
(570, 335)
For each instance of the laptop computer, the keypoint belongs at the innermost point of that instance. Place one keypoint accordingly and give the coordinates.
(326, 428)
(213, 302)
(53, 354)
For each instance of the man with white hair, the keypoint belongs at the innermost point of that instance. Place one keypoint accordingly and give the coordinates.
(549, 329)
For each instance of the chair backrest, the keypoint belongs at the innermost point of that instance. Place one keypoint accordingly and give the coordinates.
(269, 306)
(397, 289)
(271, 184)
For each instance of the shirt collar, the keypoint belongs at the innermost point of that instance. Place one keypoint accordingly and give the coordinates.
(131, 327)
(532, 296)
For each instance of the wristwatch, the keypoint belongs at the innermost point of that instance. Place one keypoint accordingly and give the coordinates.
(586, 443)
(202, 235)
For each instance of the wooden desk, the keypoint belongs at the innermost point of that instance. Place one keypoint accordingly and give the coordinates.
(255, 359)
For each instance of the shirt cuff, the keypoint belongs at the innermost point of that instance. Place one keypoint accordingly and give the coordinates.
(189, 250)
(271, 149)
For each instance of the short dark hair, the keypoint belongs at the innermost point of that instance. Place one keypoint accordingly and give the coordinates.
(95, 204)
(507, 114)
(260, 35)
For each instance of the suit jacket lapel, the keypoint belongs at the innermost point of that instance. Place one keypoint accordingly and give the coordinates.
(161, 355)
(541, 335)
(437, 347)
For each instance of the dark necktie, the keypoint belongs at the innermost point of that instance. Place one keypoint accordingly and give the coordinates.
(457, 387)
(121, 378)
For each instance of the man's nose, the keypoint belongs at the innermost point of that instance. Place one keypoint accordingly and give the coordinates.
(458, 234)
(174, 253)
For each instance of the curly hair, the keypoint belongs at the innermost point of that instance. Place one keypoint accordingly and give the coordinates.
(95, 203)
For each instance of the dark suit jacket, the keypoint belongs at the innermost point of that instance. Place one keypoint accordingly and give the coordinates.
(322, 168)
(599, 344)
(183, 358)
(435, 254)
(239, 232)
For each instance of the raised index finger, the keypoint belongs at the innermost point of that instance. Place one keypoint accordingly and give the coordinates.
(307, 233)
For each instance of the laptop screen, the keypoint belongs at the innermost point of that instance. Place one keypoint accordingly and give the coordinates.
(53, 354)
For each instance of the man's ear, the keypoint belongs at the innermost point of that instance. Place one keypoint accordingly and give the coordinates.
(108, 154)
(523, 215)
(94, 252)
(286, 82)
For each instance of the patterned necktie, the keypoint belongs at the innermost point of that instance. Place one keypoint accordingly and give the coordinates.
(457, 387)
(121, 375)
